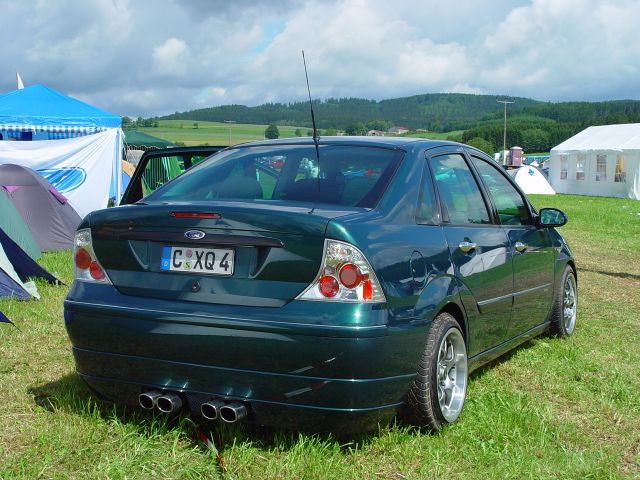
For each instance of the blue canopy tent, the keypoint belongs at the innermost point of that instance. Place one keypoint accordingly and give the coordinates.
(83, 168)
(37, 109)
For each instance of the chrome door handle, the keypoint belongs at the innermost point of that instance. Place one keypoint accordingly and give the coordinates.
(521, 247)
(467, 247)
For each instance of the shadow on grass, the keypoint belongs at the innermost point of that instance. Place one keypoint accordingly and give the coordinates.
(505, 357)
(70, 394)
(625, 275)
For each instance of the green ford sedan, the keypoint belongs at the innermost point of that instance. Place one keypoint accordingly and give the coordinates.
(328, 285)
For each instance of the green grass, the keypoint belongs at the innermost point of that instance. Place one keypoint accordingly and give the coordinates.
(213, 133)
(216, 133)
(435, 135)
(551, 409)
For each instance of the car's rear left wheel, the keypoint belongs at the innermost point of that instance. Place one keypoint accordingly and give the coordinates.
(437, 395)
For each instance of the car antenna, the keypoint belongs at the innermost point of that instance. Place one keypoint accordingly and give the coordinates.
(316, 138)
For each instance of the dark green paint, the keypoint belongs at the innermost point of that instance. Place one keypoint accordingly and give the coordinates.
(247, 338)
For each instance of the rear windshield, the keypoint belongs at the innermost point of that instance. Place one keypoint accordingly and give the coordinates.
(345, 175)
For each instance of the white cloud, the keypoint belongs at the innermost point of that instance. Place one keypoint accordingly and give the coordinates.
(152, 57)
(170, 58)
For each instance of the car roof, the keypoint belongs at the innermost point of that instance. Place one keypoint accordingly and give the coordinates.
(372, 141)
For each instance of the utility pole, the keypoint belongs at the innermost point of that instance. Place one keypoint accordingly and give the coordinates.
(229, 122)
(504, 140)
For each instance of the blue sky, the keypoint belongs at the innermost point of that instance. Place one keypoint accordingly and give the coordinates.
(152, 57)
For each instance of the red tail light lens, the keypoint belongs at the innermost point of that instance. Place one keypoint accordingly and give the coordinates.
(86, 265)
(329, 286)
(350, 275)
(367, 290)
(82, 259)
(96, 272)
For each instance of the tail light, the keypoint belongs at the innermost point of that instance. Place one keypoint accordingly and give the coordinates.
(86, 265)
(345, 276)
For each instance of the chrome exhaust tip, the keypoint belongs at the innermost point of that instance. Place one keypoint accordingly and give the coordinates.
(211, 410)
(148, 400)
(169, 403)
(232, 412)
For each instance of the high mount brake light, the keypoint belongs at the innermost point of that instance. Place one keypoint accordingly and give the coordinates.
(86, 266)
(195, 215)
(344, 276)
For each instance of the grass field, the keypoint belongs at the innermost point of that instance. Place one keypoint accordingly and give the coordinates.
(551, 409)
(216, 133)
(213, 133)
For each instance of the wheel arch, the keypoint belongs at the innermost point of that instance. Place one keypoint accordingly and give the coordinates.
(572, 264)
(456, 312)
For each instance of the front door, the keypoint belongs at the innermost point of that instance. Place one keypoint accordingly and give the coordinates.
(533, 254)
(479, 250)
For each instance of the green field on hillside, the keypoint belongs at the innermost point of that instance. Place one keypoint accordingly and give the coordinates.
(213, 133)
(550, 409)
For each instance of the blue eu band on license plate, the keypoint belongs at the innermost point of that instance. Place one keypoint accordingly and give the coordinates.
(211, 261)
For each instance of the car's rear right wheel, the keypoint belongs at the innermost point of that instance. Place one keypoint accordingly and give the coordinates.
(565, 306)
(437, 395)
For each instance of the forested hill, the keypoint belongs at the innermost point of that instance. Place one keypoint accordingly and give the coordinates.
(439, 112)
(436, 112)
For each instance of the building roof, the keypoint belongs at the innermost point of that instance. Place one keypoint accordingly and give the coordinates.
(604, 137)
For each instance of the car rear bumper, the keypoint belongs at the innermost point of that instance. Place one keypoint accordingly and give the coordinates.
(353, 375)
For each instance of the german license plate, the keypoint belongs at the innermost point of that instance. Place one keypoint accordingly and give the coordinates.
(211, 261)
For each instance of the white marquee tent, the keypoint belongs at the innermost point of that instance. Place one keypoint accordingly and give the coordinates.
(602, 161)
(75, 146)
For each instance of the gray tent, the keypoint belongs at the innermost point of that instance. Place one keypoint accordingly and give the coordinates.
(51, 219)
(12, 224)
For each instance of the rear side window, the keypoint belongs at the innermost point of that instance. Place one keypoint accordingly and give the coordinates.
(510, 205)
(345, 175)
(459, 193)
(159, 170)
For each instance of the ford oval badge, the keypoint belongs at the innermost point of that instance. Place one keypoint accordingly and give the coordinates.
(194, 234)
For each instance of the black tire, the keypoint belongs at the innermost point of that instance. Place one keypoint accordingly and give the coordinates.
(423, 405)
(565, 305)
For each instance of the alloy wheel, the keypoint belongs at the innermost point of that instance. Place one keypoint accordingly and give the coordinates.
(452, 374)
(569, 304)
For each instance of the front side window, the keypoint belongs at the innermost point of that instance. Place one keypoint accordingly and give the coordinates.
(510, 205)
(601, 168)
(459, 193)
(564, 167)
(621, 175)
(580, 162)
(345, 175)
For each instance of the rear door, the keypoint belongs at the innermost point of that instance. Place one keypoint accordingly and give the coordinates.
(157, 167)
(479, 251)
(531, 249)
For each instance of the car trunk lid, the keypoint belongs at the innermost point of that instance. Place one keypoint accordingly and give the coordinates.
(233, 253)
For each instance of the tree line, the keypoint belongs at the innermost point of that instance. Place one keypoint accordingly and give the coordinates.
(533, 125)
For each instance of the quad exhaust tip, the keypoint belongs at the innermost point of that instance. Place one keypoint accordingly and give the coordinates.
(211, 410)
(149, 400)
(232, 412)
(169, 403)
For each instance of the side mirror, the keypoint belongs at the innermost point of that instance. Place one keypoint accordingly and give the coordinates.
(551, 217)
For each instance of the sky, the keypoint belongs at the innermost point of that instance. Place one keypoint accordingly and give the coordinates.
(155, 57)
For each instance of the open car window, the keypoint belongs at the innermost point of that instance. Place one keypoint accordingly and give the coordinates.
(157, 167)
